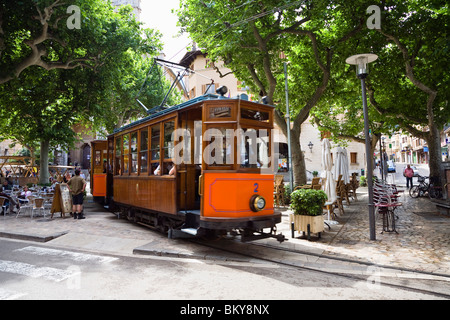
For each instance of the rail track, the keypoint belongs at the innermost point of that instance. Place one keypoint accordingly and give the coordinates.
(401, 278)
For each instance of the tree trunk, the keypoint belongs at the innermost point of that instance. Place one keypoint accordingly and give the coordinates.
(298, 159)
(434, 154)
(43, 171)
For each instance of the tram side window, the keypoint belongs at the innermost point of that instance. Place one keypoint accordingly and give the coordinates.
(110, 164)
(154, 149)
(117, 166)
(144, 151)
(126, 153)
(169, 127)
(134, 150)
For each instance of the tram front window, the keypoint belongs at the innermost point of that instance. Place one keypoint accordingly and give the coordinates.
(219, 150)
(254, 148)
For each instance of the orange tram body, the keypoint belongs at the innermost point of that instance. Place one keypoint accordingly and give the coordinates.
(202, 167)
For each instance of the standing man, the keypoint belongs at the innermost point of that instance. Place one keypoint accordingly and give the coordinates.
(409, 173)
(76, 186)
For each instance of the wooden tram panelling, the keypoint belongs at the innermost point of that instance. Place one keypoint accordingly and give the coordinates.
(154, 194)
(201, 195)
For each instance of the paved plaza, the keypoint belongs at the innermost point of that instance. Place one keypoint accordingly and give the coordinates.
(421, 244)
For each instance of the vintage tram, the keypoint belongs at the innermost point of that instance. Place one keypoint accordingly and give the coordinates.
(203, 167)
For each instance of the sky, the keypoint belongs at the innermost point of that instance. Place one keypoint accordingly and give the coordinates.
(157, 14)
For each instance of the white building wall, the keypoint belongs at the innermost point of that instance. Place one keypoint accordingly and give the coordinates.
(313, 158)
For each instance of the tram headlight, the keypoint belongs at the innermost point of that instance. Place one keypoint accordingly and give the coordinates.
(257, 203)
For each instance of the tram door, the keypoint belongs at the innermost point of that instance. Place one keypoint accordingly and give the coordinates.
(99, 158)
(188, 172)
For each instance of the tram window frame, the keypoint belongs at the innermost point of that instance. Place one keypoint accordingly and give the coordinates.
(154, 163)
(118, 156)
(133, 159)
(251, 168)
(167, 162)
(143, 152)
(126, 154)
(254, 123)
(111, 156)
(215, 166)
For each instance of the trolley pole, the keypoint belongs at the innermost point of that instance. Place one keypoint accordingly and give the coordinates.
(288, 123)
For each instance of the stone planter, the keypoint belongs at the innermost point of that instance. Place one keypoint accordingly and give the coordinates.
(308, 224)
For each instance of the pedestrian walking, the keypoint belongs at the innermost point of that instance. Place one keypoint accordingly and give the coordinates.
(408, 173)
(77, 185)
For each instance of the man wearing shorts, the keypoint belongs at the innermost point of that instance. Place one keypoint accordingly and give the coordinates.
(76, 186)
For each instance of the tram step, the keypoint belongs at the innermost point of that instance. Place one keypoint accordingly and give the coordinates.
(192, 231)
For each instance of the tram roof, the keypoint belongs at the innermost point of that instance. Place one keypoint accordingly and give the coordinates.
(180, 106)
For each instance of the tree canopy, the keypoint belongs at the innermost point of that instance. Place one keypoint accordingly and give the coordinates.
(256, 38)
(53, 77)
(408, 87)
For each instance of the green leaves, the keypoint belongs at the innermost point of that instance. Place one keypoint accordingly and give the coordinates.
(308, 202)
(55, 77)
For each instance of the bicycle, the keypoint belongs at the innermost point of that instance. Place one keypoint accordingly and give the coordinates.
(421, 189)
(437, 192)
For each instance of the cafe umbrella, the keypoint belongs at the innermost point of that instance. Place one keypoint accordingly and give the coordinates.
(341, 165)
(329, 187)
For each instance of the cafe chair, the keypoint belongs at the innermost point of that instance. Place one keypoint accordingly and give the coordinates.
(38, 204)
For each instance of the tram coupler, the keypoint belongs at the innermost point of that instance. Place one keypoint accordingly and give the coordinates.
(249, 235)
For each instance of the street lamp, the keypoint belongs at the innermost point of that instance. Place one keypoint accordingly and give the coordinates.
(362, 63)
(310, 145)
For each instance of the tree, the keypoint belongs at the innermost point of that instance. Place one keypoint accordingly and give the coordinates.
(407, 85)
(416, 46)
(250, 36)
(53, 77)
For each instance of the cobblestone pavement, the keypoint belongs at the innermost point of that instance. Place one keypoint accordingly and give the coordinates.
(422, 242)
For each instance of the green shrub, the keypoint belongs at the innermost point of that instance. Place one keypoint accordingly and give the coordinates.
(308, 202)
(287, 194)
(363, 181)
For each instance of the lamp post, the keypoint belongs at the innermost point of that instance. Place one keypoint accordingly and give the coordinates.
(310, 145)
(361, 61)
(288, 120)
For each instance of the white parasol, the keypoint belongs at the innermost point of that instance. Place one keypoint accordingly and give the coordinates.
(341, 165)
(330, 185)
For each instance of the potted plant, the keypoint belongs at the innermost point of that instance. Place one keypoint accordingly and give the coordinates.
(307, 206)
(315, 173)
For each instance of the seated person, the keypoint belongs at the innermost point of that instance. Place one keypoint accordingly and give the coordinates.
(25, 193)
(10, 202)
(173, 170)
(7, 185)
